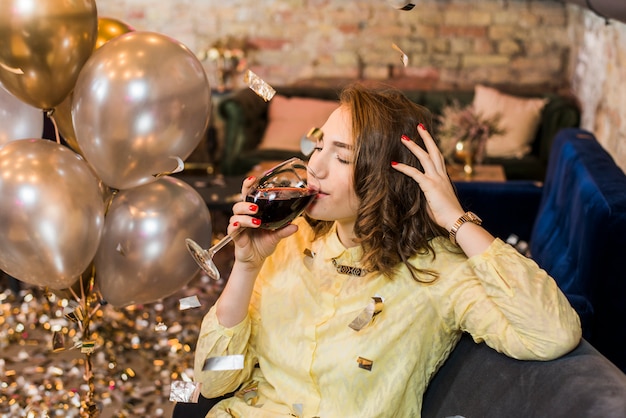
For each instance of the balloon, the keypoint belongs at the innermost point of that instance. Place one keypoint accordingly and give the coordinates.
(142, 255)
(108, 28)
(141, 103)
(43, 46)
(18, 120)
(51, 213)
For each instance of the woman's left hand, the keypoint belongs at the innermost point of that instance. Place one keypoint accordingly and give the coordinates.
(443, 204)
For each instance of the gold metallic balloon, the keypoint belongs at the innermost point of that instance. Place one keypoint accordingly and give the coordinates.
(43, 46)
(141, 105)
(108, 28)
(142, 255)
(51, 213)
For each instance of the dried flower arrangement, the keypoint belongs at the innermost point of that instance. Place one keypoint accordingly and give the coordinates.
(464, 129)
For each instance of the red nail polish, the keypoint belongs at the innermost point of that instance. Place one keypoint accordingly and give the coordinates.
(250, 178)
(253, 208)
(394, 163)
(235, 224)
(256, 221)
(421, 126)
(405, 138)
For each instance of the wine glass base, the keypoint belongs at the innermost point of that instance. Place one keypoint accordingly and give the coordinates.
(203, 258)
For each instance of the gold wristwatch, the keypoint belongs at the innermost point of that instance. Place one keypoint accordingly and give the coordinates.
(467, 217)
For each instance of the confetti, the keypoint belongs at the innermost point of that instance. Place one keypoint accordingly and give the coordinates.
(365, 363)
(160, 327)
(189, 302)
(309, 141)
(187, 392)
(234, 362)
(404, 57)
(373, 308)
(58, 341)
(179, 167)
(88, 347)
(259, 86)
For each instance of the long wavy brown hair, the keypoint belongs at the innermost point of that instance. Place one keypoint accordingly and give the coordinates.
(392, 220)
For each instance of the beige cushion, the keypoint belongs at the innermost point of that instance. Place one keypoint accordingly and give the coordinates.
(520, 120)
(291, 117)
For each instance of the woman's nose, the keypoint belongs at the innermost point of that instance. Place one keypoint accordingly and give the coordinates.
(316, 166)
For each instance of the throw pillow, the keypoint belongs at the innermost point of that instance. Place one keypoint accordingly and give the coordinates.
(519, 119)
(291, 117)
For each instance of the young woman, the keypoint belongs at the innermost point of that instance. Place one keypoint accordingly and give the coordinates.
(349, 311)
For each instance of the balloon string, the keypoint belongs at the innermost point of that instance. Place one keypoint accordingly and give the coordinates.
(89, 408)
(50, 114)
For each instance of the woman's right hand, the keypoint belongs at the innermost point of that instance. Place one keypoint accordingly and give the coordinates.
(254, 244)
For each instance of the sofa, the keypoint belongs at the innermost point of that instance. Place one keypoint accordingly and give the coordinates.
(575, 228)
(478, 382)
(245, 118)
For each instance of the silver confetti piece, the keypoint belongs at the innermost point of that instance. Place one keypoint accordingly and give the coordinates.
(259, 86)
(189, 302)
(404, 57)
(373, 308)
(187, 392)
(179, 167)
(234, 362)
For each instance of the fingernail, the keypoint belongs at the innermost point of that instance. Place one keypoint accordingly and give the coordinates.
(253, 208)
(250, 178)
(394, 163)
(421, 126)
(405, 138)
(256, 221)
(235, 224)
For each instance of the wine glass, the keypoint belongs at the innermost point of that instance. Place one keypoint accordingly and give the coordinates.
(282, 193)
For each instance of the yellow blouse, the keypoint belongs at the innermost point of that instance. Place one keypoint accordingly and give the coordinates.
(303, 359)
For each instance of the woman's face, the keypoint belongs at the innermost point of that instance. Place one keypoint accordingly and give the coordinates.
(332, 162)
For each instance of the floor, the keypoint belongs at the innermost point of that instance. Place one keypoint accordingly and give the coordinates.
(139, 351)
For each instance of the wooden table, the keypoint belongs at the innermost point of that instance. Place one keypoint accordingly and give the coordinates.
(482, 172)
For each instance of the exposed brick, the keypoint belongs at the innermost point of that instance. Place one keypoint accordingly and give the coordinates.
(470, 31)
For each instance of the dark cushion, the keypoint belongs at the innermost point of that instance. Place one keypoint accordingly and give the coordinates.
(478, 382)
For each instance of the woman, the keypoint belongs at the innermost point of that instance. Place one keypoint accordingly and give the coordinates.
(350, 311)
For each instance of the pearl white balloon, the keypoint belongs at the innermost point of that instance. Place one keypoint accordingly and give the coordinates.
(142, 255)
(18, 120)
(51, 213)
(141, 101)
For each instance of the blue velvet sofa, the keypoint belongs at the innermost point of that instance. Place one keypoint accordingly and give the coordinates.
(575, 225)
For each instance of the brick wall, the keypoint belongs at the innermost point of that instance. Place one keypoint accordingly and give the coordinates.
(599, 73)
(450, 44)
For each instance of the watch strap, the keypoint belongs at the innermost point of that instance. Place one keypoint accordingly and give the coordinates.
(466, 217)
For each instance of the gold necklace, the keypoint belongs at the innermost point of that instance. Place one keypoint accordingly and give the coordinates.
(341, 268)
(349, 270)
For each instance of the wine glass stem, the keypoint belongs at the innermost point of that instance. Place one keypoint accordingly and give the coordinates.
(221, 243)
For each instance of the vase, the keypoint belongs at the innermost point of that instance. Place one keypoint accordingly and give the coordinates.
(465, 153)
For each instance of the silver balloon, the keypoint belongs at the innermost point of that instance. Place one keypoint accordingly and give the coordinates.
(142, 255)
(18, 120)
(141, 101)
(51, 213)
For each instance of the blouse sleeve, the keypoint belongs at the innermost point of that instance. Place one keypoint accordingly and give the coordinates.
(216, 340)
(503, 298)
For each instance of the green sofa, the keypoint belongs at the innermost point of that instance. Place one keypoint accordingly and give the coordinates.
(245, 118)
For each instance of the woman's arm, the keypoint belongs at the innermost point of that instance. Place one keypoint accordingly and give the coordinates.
(443, 205)
(252, 247)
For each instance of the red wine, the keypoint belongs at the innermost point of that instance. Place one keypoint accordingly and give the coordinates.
(281, 205)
